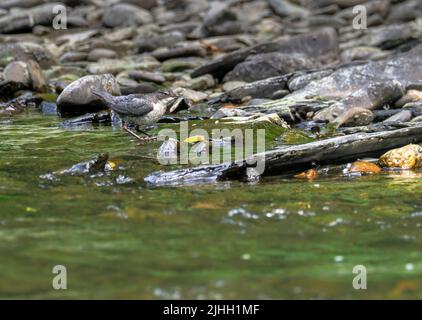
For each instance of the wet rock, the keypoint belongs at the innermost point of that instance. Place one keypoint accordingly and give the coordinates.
(115, 66)
(402, 116)
(180, 64)
(228, 112)
(146, 4)
(17, 71)
(120, 34)
(188, 50)
(94, 166)
(410, 96)
(24, 20)
(284, 8)
(138, 88)
(407, 157)
(72, 56)
(322, 44)
(192, 95)
(24, 51)
(88, 118)
(231, 85)
(219, 20)
(387, 36)
(77, 98)
(19, 104)
(98, 54)
(363, 167)
(363, 53)
(147, 76)
(263, 66)
(28, 74)
(354, 117)
(405, 11)
(302, 79)
(376, 95)
(150, 43)
(126, 15)
(201, 83)
(48, 108)
(38, 82)
(308, 174)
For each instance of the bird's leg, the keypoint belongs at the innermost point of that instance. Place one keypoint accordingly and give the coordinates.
(149, 138)
(141, 131)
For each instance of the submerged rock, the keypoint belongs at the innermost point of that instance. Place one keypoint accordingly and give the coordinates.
(308, 174)
(77, 98)
(407, 157)
(363, 167)
(96, 165)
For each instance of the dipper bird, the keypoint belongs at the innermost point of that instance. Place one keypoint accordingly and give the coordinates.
(140, 109)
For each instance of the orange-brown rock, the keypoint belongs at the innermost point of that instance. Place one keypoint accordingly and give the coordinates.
(308, 174)
(364, 167)
(407, 157)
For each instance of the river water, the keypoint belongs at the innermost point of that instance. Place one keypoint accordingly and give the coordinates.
(119, 238)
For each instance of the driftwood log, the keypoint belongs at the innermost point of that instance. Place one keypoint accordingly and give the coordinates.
(294, 158)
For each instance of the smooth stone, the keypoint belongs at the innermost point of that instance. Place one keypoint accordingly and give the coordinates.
(147, 76)
(17, 71)
(118, 65)
(231, 85)
(100, 53)
(38, 81)
(407, 157)
(410, 96)
(24, 51)
(363, 167)
(402, 116)
(194, 96)
(126, 15)
(228, 112)
(146, 4)
(200, 83)
(266, 65)
(180, 64)
(48, 108)
(72, 56)
(77, 98)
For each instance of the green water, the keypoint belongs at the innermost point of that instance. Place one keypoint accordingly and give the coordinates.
(281, 238)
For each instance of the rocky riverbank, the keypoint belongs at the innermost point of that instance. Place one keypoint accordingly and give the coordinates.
(294, 68)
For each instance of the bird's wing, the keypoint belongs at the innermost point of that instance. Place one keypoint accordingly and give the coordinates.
(135, 107)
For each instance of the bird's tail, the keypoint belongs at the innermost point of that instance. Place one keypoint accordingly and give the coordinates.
(104, 96)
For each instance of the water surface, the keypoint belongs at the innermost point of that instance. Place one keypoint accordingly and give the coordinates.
(118, 238)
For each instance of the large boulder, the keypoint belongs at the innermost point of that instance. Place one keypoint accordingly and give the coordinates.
(266, 65)
(77, 97)
(126, 15)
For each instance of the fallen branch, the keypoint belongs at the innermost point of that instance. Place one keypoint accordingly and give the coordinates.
(294, 158)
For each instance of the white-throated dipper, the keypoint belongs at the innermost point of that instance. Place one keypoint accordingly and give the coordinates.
(140, 110)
